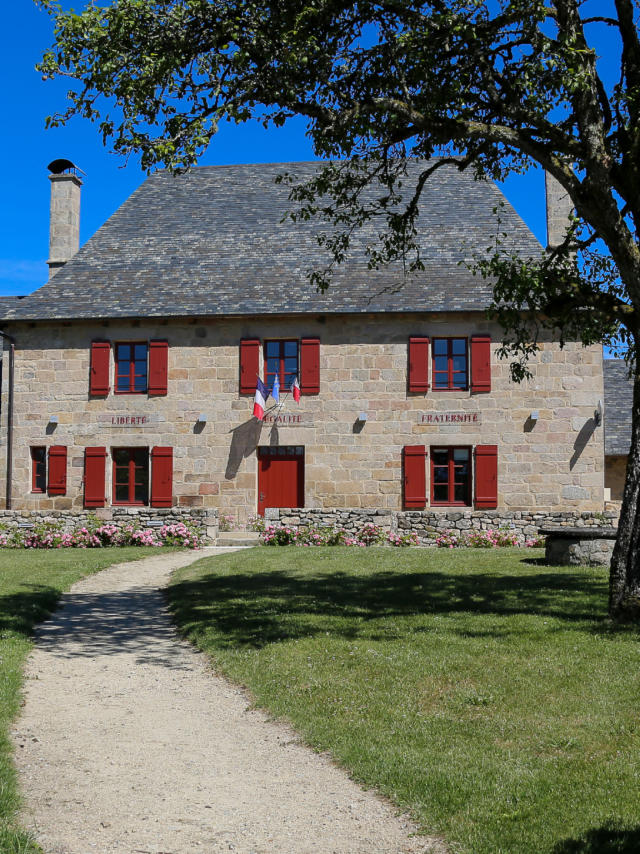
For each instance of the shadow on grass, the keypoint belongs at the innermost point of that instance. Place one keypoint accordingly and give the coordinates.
(608, 839)
(255, 609)
(20, 611)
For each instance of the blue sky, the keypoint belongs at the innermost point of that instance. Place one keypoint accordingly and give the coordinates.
(26, 148)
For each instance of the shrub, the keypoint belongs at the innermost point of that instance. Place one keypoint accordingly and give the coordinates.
(448, 540)
(180, 534)
(370, 534)
(226, 523)
(282, 536)
(401, 540)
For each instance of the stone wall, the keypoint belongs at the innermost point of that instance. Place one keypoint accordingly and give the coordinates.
(146, 517)
(576, 549)
(428, 525)
(552, 463)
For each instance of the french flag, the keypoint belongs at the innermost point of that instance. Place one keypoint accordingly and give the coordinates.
(260, 400)
(295, 390)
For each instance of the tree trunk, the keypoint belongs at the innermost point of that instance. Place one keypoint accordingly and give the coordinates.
(624, 579)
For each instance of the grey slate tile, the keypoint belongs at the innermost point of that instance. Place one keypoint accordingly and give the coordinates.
(618, 405)
(212, 242)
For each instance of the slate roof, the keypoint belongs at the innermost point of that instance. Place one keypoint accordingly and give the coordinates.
(618, 405)
(211, 242)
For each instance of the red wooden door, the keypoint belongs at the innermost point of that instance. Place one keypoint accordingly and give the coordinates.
(280, 477)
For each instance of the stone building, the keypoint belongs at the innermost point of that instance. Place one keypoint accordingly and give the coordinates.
(618, 406)
(135, 366)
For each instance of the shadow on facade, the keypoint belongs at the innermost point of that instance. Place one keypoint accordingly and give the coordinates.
(244, 441)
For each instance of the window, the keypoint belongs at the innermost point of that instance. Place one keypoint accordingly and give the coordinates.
(130, 475)
(281, 359)
(450, 369)
(131, 368)
(38, 469)
(451, 476)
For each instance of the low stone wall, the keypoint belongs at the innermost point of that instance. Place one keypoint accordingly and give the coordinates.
(579, 546)
(206, 520)
(429, 524)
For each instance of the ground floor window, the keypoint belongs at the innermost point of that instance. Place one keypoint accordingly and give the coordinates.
(130, 475)
(451, 476)
(38, 469)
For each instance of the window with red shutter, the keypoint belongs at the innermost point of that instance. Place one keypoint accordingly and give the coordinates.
(161, 477)
(57, 481)
(280, 360)
(310, 366)
(158, 367)
(131, 363)
(449, 364)
(415, 476)
(451, 476)
(99, 371)
(418, 364)
(38, 468)
(130, 475)
(249, 364)
(480, 363)
(486, 477)
(94, 477)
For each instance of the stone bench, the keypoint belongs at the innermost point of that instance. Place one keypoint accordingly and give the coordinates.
(579, 546)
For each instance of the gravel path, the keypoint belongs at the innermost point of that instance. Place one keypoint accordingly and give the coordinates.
(129, 743)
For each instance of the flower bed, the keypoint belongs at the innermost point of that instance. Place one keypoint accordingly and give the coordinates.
(501, 538)
(368, 535)
(373, 535)
(96, 535)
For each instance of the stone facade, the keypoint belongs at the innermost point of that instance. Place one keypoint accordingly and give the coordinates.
(552, 464)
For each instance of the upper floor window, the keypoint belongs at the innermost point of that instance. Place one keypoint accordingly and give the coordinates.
(281, 360)
(38, 469)
(450, 363)
(131, 368)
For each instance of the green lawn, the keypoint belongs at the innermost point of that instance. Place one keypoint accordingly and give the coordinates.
(30, 584)
(482, 690)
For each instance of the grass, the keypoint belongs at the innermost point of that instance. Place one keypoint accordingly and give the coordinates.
(30, 585)
(481, 690)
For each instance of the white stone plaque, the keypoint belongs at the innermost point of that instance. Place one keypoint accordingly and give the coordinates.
(448, 419)
(287, 419)
(127, 420)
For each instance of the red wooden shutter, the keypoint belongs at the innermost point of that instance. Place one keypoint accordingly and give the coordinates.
(158, 366)
(418, 364)
(99, 373)
(310, 366)
(94, 483)
(415, 476)
(480, 363)
(57, 475)
(486, 479)
(161, 477)
(249, 364)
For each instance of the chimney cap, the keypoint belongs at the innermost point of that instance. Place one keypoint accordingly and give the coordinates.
(57, 167)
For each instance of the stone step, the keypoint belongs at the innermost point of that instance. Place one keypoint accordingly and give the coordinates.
(238, 538)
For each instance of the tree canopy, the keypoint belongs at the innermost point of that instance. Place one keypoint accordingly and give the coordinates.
(491, 86)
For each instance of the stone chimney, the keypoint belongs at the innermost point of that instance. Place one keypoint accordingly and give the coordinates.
(64, 222)
(559, 210)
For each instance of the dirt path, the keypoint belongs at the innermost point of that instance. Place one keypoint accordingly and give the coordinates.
(128, 743)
